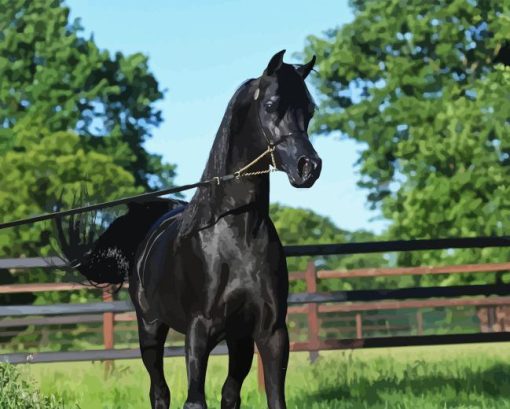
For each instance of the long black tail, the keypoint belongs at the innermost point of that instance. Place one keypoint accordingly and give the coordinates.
(109, 258)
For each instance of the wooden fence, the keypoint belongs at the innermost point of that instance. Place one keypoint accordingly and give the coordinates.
(486, 298)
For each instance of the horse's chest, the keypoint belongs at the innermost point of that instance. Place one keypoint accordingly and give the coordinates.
(245, 276)
(248, 290)
(251, 307)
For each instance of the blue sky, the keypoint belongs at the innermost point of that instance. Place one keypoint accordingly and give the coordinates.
(201, 51)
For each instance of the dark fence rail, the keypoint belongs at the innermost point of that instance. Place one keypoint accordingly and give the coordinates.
(32, 262)
(93, 355)
(395, 245)
(66, 309)
(381, 342)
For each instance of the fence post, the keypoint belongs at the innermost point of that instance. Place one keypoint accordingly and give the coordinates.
(491, 318)
(419, 321)
(359, 326)
(501, 318)
(313, 312)
(260, 373)
(108, 328)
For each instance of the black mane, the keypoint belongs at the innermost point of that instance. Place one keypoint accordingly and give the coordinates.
(198, 213)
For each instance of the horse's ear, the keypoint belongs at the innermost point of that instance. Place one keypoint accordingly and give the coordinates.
(305, 69)
(275, 63)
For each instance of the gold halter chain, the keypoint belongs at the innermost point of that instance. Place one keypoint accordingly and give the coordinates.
(241, 172)
(269, 151)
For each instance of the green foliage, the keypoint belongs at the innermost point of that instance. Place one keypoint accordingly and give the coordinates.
(417, 84)
(17, 393)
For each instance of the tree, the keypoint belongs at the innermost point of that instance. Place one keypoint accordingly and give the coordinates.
(49, 71)
(72, 116)
(421, 85)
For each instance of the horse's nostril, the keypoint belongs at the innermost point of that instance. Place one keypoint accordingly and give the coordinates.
(305, 166)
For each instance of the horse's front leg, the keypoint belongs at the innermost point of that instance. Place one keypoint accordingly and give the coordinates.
(240, 356)
(274, 351)
(199, 343)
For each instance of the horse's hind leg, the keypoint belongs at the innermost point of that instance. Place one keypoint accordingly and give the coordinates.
(152, 340)
(240, 356)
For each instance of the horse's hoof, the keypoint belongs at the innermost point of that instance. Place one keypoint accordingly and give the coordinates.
(194, 405)
(230, 403)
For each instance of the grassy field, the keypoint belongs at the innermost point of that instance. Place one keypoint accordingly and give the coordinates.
(473, 376)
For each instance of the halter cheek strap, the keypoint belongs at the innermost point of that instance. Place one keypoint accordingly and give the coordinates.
(269, 151)
(256, 95)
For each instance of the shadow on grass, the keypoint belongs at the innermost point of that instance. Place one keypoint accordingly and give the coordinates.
(386, 388)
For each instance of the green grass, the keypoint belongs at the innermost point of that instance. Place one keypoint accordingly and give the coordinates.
(444, 377)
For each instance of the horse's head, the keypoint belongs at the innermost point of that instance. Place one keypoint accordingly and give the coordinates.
(284, 109)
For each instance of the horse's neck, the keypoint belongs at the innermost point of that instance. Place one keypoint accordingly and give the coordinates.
(247, 193)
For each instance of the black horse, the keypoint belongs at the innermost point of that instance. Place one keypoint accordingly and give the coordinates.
(215, 269)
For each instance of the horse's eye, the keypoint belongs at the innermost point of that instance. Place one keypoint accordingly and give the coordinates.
(270, 106)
